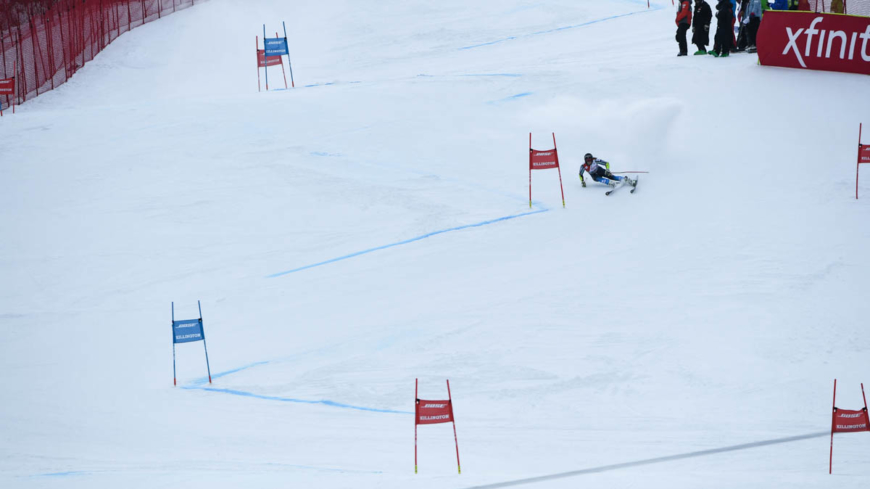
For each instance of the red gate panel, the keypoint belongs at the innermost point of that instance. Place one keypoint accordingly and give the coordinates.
(847, 421)
(7, 86)
(543, 160)
(433, 412)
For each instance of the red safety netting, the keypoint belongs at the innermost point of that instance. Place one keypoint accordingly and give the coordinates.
(44, 42)
(850, 7)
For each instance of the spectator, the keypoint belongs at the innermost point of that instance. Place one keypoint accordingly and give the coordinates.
(684, 20)
(724, 30)
(742, 21)
(701, 26)
(837, 6)
(733, 18)
(754, 12)
(804, 5)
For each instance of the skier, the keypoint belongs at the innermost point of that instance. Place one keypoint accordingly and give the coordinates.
(599, 170)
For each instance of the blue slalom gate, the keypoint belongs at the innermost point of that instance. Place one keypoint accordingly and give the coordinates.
(187, 331)
(275, 48)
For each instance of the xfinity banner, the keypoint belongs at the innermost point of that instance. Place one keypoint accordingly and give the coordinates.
(808, 40)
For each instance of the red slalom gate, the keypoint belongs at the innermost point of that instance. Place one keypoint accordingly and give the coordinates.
(863, 157)
(434, 412)
(847, 421)
(544, 160)
(7, 87)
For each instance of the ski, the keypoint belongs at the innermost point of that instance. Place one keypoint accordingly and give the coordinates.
(617, 187)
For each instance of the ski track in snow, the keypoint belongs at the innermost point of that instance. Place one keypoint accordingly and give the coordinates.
(558, 29)
(407, 241)
(657, 460)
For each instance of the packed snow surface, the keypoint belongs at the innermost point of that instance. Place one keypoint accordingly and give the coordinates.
(372, 226)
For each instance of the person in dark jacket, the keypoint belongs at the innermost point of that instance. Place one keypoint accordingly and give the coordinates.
(701, 26)
(733, 25)
(684, 20)
(743, 31)
(724, 29)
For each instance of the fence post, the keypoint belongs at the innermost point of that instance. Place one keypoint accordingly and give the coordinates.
(35, 62)
(49, 34)
(3, 52)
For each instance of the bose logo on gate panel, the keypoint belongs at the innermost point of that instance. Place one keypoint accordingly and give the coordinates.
(433, 406)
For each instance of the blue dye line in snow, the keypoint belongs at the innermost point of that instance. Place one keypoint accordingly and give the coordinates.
(330, 83)
(490, 43)
(63, 474)
(268, 464)
(203, 380)
(200, 384)
(510, 75)
(512, 97)
(327, 469)
(300, 401)
(549, 31)
(399, 243)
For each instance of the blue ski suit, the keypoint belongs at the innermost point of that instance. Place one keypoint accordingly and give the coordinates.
(599, 170)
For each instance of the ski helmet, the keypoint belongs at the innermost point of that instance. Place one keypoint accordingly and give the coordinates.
(587, 157)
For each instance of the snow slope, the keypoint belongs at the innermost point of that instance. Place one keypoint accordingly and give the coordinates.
(372, 226)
